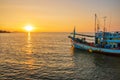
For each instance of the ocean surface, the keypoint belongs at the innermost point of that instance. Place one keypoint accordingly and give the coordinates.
(49, 56)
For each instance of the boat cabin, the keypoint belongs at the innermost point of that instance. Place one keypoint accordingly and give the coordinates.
(107, 39)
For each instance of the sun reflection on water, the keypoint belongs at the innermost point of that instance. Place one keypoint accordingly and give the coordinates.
(29, 36)
(29, 44)
(29, 51)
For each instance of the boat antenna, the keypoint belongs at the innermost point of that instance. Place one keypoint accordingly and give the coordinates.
(110, 24)
(105, 24)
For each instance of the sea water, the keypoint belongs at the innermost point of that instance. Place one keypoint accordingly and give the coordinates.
(49, 56)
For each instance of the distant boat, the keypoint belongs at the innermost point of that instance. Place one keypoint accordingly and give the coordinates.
(104, 42)
(2, 31)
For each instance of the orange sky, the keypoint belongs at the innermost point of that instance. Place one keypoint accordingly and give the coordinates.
(58, 15)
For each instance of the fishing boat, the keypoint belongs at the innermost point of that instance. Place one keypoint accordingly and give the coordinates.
(103, 41)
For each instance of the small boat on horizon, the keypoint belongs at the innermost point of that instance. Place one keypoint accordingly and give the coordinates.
(3, 31)
(104, 41)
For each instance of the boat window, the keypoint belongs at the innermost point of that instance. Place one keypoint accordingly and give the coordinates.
(114, 46)
(114, 35)
(119, 45)
(116, 32)
(110, 34)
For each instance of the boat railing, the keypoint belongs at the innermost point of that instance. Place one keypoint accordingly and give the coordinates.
(83, 35)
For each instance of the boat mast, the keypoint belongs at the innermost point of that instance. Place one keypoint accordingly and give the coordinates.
(95, 28)
(104, 30)
(95, 22)
(74, 32)
(110, 24)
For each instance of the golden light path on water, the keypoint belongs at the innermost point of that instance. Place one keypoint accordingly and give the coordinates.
(29, 44)
(29, 61)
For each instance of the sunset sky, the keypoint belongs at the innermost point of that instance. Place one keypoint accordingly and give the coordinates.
(58, 15)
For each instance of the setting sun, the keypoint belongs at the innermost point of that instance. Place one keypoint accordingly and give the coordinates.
(28, 28)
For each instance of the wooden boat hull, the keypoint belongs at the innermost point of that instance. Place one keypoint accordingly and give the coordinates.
(94, 49)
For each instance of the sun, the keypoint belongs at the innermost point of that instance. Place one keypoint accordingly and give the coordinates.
(28, 28)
